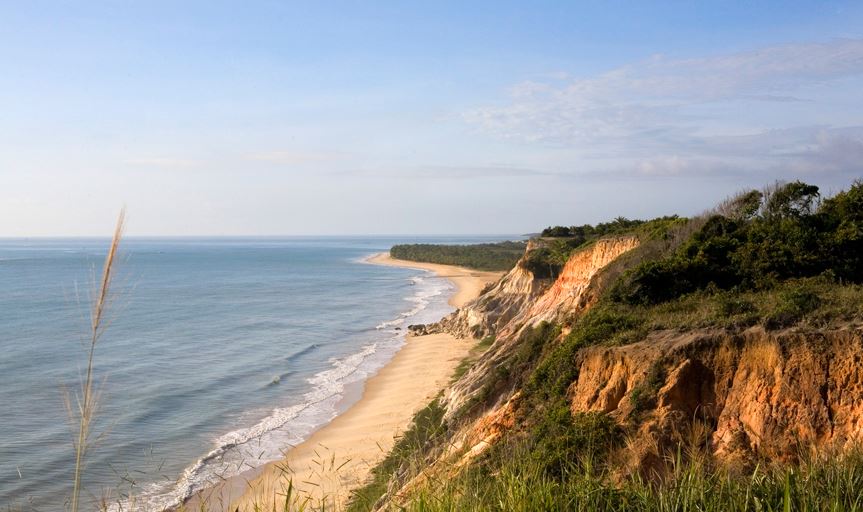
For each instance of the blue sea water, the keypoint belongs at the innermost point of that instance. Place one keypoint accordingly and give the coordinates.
(220, 353)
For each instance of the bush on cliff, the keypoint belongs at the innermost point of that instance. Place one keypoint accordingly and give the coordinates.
(558, 243)
(791, 234)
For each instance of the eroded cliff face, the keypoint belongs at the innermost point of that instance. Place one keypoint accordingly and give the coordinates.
(741, 395)
(494, 308)
(567, 297)
(520, 300)
(751, 393)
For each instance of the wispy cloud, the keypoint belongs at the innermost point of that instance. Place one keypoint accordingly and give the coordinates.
(650, 95)
(662, 116)
(164, 163)
(443, 172)
(830, 151)
(805, 152)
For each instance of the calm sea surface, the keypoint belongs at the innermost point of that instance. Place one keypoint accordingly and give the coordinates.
(220, 352)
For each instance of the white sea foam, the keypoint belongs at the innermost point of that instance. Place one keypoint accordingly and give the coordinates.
(317, 407)
(421, 300)
(390, 323)
(286, 426)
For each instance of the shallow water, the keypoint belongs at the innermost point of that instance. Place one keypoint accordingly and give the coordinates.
(220, 352)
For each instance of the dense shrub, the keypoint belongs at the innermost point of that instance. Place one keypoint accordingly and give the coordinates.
(794, 303)
(792, 235)
(586, 231)
(561, 438)
(842, 219)
(542, 263)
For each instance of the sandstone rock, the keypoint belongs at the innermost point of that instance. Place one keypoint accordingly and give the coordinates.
(765, 394)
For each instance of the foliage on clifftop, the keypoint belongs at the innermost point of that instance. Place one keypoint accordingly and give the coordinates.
(558, 243)
(585, 232)
(757, 240)
(500, 256)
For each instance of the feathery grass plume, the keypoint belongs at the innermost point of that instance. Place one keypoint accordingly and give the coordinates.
(87, 399)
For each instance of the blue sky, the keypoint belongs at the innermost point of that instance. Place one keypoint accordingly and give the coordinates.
(280, 118)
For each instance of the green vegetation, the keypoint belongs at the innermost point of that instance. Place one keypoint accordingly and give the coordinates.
(559, 242)
(405, 457)
(517, 481)
(759, 241)
(500, 256)
(586, 232)
(471, 358)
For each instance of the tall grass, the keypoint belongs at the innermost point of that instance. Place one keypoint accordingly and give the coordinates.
(86, 400)
(515, 481)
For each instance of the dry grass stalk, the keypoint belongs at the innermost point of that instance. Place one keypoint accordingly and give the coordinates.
(86, 401)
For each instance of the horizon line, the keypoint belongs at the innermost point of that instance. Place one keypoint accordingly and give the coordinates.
(346, 235)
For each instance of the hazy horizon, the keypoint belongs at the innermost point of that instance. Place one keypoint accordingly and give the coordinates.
(265, 236)
(303, 119)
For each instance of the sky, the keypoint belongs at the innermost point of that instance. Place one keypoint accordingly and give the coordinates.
(340, 118)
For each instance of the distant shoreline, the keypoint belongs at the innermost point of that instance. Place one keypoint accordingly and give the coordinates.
(357, 439)
(468, 282)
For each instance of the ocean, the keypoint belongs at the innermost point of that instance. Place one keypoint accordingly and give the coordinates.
(220, 353)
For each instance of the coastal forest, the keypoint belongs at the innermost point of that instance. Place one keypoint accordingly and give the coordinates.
(710, 363)
(487, 257)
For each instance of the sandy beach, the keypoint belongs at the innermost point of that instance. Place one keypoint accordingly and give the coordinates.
(468, 282)
(338, 458)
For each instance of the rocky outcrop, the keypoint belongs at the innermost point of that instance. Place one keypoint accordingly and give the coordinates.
(423, 329)
(752, 393)
(484, 432)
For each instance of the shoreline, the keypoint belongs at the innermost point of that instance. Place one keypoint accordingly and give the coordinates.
(339, 456)
(468, 282)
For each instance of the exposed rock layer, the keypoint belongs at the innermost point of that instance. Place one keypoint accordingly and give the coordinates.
(755, 392)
